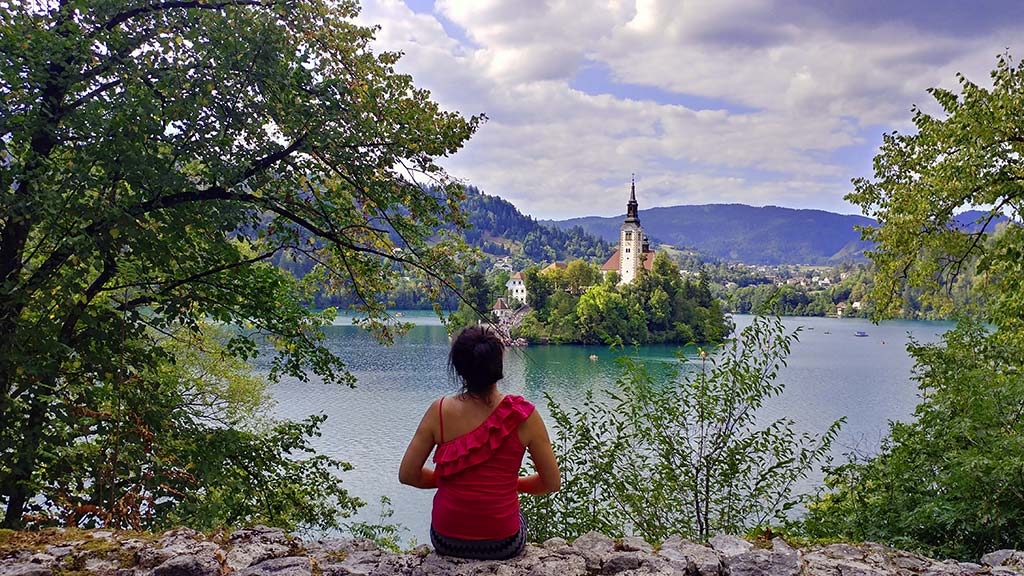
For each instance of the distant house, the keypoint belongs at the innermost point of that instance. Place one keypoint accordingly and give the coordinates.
(516, 287)
(841, 309)
(554, 266)
(634, 248)
(501, 310)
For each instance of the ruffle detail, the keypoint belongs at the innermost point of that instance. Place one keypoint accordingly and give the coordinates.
(478, 446)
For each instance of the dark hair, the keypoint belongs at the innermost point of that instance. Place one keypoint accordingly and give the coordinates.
(475, 360)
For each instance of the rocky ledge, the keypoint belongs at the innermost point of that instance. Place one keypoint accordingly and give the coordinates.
(270, 552)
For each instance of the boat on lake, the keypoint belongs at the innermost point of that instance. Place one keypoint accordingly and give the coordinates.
(860, 334)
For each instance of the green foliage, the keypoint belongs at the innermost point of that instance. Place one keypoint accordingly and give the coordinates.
(972, 157)
(948, 482)
(500, 229)
(156, 159)
(678, 449)
(573, 306)
(383, 532)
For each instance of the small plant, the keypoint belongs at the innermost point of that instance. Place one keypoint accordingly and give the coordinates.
(677, 449)
(383, 533)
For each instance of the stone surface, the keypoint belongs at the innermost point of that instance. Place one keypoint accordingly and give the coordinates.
(635, 544)
(689, 557)
(997, 558)
(25, 569)
(262, 551)
(188, 566)
(728, 546)
(287, 566)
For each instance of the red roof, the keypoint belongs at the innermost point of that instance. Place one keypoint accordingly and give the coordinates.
(613, 262)
(516, 276)
(500, 304)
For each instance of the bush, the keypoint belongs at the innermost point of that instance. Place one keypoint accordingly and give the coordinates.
(949, 482)
(677, 448)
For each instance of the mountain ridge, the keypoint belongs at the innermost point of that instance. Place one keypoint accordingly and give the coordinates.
(753, 234)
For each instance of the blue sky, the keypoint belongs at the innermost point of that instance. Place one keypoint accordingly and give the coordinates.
(753, 101)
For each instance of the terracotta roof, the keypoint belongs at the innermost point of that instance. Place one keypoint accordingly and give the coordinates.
(613, 262)
(500, 304)
(516, 276)
(649, 261)
(555, 266)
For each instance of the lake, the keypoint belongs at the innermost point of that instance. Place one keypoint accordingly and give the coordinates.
(829, 376)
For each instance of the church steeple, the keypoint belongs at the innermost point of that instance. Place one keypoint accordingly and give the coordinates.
(631, 206)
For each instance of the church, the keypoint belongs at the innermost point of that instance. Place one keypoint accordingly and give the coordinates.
(634, 248)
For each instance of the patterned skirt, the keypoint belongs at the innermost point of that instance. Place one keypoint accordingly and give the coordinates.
(481, 549)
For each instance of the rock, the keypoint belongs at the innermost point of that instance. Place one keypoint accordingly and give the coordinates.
(180, 542)
(970, 568)
(728, 546)
(59, 552)
(43, 558)
(287, 566)
(595, 542)
(998, 557)
(820, 563)
(910, 562)
(188, 566)
(781, 560)
(843, 552)
(559, 566)
(689, 557)
(635, 544)
(248, 553)
(26, 569)
(620, 562)
(554, 543)
(593, 546)
(105, 565)
(254, 545)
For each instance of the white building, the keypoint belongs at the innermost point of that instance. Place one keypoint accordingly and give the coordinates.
(634, 250)
(516, 287)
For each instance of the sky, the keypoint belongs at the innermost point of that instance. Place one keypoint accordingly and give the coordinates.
(762, 102)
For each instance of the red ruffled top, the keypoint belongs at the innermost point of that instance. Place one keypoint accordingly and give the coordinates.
(478, 474)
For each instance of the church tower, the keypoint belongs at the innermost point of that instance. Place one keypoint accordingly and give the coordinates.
(631, 240)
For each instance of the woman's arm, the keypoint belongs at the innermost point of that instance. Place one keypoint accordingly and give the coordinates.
(548, 477)
(412, 470)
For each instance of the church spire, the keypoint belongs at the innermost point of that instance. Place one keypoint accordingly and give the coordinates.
(631, 206)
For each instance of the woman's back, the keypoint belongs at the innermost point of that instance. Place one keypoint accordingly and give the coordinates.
(477, 469)
(480, 436)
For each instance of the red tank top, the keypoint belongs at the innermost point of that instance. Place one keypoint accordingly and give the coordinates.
(478, 475)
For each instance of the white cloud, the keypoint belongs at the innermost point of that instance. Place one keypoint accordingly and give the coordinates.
(795, 88)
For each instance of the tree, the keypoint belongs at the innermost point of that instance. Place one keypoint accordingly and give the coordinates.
(970, 158)
(579, 276)
(156, 156)
(538, 288)
(475, 304)
(948, 482)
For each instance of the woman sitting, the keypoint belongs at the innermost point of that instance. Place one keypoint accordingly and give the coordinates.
(481, 436)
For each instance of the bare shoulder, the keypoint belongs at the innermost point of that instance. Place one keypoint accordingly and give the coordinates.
(532, 428)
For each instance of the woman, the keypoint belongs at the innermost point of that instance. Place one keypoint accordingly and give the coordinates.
(481, 436)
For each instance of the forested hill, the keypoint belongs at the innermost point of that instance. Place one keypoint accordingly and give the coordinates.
(499, 228)
(750, 234)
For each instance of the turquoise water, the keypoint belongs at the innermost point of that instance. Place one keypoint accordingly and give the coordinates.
(867, 380)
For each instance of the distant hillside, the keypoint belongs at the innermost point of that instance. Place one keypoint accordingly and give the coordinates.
(751, 234)
(499, 228)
